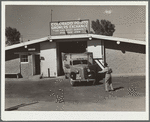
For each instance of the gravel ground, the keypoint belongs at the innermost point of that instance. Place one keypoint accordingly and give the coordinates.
(56, 94)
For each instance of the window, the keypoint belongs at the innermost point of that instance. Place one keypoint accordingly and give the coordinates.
(24, 58)
(76, 62)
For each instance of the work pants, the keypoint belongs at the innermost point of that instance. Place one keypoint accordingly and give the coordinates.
(108, 82)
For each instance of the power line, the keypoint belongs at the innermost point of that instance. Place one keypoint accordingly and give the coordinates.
(51, 14)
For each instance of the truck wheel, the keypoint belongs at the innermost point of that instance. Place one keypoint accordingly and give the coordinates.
(66, 76)
(72, 82)
(73, 75)
(71, 78)
(92, 74)
(96, 80)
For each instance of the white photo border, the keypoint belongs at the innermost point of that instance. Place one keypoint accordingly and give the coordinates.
(46, 115)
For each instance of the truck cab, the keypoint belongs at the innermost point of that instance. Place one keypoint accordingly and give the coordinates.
(79, 67)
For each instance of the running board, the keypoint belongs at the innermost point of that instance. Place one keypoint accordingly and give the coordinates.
(99, 63)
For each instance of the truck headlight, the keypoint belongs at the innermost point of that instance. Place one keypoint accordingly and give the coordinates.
(77, 71)
(88, 70)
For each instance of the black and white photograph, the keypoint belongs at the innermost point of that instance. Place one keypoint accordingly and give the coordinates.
(74, 60)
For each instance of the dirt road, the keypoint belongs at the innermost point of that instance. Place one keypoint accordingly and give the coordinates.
(59, 95)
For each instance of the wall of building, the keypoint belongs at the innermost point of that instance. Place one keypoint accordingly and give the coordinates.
(27, 68)
(49, 59)
(12, 62)
(95, 46)
(125, 58)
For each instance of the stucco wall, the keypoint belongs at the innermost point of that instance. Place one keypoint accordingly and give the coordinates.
(95, 46)
(125, 59)
(13, 65)
(26, 68)
(49, 59)
(12, 62)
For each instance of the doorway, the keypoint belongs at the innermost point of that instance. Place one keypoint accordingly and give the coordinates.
(36, 64)
(69, 47)
(73, 47)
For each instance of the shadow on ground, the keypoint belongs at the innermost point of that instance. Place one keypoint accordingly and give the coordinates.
(87, 83)
(118, 88)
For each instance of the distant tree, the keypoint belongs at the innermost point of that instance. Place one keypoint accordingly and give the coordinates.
(103, 27)
(12, 35)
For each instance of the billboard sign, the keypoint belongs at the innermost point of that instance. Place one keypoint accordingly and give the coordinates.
(69, 27)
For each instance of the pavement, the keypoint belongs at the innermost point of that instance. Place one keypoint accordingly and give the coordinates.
(56, 94)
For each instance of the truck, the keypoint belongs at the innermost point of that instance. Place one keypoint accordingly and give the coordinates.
(79, 67)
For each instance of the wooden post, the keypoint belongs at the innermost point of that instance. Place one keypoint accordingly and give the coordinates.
(48, 72)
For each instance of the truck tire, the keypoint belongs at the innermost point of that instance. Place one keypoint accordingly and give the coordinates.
(66, 76)
(93, 75)
(72, 82)
(96, 80)
(71, 78)
(73, 75)
(96, 77)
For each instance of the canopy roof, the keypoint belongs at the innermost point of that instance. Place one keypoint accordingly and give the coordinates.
(94, 36)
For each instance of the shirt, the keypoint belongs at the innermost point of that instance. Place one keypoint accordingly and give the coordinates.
(107, 70)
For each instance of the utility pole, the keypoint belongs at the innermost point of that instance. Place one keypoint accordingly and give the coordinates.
(50, 22)
(51, 15)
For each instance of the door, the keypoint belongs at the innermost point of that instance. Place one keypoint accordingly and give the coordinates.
(69, 47)
(37, 65)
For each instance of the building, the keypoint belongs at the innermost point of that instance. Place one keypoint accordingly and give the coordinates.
(43, 56)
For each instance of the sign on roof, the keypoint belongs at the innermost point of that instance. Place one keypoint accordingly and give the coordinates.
(69, 27)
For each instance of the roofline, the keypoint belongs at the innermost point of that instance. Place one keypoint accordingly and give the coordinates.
(110, 38)
(26, 43)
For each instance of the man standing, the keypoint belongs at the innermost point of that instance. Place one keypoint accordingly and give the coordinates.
(108, 80)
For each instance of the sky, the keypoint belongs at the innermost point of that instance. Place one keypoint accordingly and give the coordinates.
(32, 21)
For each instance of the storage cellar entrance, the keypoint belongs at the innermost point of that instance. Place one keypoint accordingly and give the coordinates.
(69, 47)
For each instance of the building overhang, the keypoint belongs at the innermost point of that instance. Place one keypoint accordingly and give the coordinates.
(78, 36)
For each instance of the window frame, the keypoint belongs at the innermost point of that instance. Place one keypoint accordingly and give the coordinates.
(24, 58)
